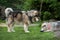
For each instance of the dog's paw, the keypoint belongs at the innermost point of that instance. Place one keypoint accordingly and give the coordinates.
(8, 31)
(27, 31)
(13, 30)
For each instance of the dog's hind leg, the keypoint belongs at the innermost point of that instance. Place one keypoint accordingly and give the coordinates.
(10, 27)
(10, 24)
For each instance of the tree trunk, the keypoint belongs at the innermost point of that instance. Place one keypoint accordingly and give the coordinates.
(41, 8)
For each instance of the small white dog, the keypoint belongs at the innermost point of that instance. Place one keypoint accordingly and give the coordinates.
(50, 26)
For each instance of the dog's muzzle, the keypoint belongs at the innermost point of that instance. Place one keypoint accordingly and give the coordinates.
(42, 31)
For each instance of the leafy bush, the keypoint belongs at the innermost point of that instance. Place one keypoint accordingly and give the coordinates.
(46, 15)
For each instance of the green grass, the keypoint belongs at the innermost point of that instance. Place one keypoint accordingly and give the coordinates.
(2, 21)
(34, 34)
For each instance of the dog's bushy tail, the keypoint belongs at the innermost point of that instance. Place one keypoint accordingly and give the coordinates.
(7, 11)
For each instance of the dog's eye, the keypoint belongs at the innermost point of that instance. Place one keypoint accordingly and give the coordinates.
(44, 26)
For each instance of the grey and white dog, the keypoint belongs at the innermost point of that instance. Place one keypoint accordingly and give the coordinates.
(52, 27)
(13, 17)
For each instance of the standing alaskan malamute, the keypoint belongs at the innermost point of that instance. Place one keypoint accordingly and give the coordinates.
(19, 16)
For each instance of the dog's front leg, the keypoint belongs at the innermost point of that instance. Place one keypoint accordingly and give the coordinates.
(26, 28)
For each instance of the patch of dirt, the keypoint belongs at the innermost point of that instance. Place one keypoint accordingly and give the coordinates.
(5, 25)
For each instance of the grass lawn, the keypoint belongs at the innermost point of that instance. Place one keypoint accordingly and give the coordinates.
(34, 34)
(2, 21)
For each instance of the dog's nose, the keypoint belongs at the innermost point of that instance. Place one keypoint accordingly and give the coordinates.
(41, 31)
